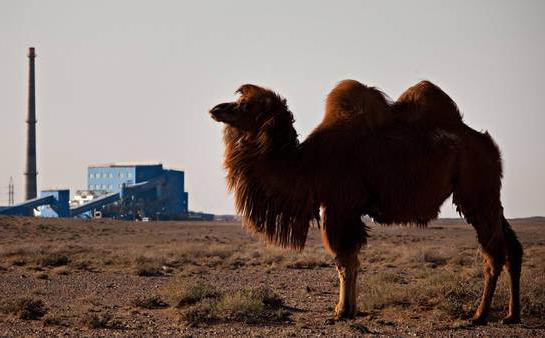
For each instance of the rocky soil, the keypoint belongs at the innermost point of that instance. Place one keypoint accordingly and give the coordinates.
(114, 278)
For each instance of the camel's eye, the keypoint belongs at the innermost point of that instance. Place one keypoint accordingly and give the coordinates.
(244, 106)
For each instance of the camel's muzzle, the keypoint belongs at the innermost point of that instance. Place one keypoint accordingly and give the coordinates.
(223, 112)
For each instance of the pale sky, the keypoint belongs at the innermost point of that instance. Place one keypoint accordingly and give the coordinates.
(133, 80)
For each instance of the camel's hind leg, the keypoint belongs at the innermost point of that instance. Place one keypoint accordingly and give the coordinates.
(513, 266)
(501, 248)
(343, 237)
(493, 262)
(477, 195)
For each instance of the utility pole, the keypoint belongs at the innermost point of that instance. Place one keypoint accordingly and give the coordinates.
(10, 191)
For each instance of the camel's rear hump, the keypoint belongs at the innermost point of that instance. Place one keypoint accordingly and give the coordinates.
(425, 103)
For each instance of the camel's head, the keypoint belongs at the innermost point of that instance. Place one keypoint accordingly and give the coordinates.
(254, 108)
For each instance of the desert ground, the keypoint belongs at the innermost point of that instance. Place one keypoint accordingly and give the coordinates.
(115, 278)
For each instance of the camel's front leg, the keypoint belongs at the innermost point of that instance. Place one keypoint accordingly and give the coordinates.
(347, 267)
(343, 235)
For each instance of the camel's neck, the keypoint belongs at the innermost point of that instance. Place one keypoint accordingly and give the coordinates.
(268, 158)
(263, 171)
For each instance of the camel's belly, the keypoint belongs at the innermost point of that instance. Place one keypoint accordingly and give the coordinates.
(416, 204)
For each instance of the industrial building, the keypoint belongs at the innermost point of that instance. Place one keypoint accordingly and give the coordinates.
(145, 190)
(122, 191)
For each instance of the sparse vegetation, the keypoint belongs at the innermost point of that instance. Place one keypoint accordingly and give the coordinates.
(308, 263)
(253, 305)
(82, 264)
(101, 320)
(27, 308)
(180, 292)
(148, 267)
(52, 259)
(210, 276)
(55, 320)
(149, 302)
(429, 289)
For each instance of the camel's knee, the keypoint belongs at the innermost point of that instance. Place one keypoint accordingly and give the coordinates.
(515, 251)
(493, 263)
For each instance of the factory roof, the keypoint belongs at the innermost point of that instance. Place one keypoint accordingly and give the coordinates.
(126, 164)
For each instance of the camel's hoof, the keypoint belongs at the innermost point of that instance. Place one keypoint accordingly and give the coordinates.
(478, 320)
(344, 314)
(511, 320)
(340, 316)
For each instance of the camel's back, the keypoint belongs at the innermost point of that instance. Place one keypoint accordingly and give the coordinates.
(360, 106)
(352, 101)
(426, 103)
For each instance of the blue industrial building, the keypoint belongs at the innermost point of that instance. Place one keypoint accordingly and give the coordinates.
(146, 190)
(112, 177)
(124, 191)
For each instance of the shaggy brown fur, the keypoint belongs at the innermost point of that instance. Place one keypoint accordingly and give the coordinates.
(394, 161)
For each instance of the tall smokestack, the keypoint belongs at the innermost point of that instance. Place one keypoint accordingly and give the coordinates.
(30, 184)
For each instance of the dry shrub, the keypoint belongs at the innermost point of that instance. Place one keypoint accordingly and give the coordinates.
(202, 303)
(210, 254)
(149, 302)
(240, 306)
(431, 288)
(373, 257)
(308, 263)
(52, 259)
(460, 296)
(55, 320)
(25, 308)
(82, 264)
(203, 312)
(432, 256)
(180, 292)
(148, 266)
(237, 261)
(18, 261)
(248, 256)
(101, 320)
(464, 259)
(382, 289)
(246, 306)
(251, 306)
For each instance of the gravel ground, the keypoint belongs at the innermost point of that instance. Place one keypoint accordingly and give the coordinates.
(89, 273)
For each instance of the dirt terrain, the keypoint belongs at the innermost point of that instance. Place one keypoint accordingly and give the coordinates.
(114, 278)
